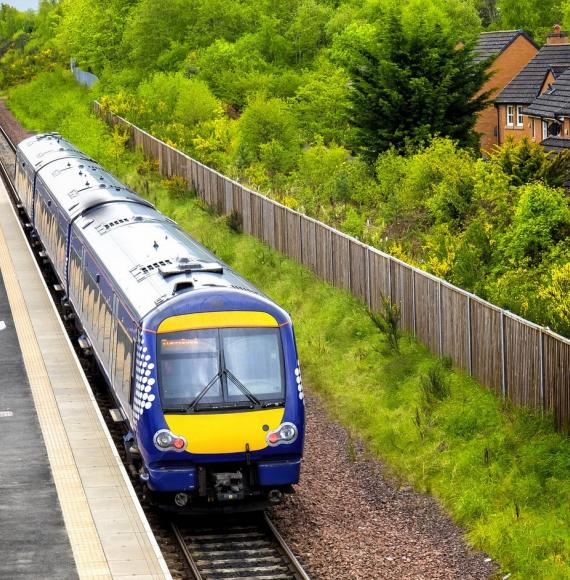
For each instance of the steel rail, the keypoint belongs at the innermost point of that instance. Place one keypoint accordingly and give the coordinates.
(221, 544)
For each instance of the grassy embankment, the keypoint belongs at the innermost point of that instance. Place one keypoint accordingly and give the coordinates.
(503, 474)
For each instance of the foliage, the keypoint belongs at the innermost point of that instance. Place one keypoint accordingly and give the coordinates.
(477, 455)
(409, 83)
(524, 161)
(388, 321)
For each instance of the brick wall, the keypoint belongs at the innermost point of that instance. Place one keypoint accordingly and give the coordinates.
(507, 65)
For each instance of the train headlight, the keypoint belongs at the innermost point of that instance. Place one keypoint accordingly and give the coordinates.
(165, 440)
(286, 433)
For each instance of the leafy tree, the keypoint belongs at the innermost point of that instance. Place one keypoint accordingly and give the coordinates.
(91, 30)
(321, 102)
(413, 83)
(268, 134)
(537, 18)
(541, 219)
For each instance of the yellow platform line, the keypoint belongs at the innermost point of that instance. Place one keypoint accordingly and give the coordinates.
(85, 543)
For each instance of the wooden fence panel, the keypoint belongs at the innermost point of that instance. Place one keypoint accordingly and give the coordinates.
(228, 192)
(486, 345)
(455, 326)
(523, 374)
(557, 380)
(279, 214)
(256, 216)
(293, 223)
(308, 244)
(246, 209)
(237, 199)
(427, 312)
(402, 292)
(323, 247)
(268, 219)
(379, 268)
(358, 264)
(340, 260)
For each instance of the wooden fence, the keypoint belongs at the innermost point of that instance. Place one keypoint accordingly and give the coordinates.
(516, 358)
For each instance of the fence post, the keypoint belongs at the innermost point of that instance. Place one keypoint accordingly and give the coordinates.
(541, 361)
(390, 279)
(503, 356)
(368, 289)
(469, 336)
(414, 302)
(440, 319)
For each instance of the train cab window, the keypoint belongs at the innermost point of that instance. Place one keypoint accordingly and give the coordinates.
(260, 373)
(221, 369)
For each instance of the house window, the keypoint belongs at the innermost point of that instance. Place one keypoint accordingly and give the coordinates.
(510, 115)
(519, 116)
(544, 129)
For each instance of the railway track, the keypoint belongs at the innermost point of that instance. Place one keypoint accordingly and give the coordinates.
(244, 548)
(248, 548)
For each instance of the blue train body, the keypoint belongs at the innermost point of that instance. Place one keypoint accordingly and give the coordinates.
(202, 365)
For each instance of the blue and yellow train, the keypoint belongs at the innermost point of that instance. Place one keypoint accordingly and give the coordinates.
(203, 366)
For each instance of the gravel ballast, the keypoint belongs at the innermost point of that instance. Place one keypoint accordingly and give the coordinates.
(347, 520)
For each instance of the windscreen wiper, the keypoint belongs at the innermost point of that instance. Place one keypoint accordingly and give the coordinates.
(193, 404)
(242, 388)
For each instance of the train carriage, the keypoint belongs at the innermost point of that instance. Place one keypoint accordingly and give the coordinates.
(202, 365)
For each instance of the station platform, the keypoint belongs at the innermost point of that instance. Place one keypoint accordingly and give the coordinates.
(67, 507)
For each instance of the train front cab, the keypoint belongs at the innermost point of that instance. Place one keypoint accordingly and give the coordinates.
(229, 427)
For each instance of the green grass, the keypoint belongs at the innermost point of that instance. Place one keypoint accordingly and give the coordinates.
(503, 474)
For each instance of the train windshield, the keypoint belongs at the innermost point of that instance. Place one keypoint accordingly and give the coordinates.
(222, 368)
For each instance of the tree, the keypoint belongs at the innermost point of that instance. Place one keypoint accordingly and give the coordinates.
(537, 18)
(412, 83)
(525, 162)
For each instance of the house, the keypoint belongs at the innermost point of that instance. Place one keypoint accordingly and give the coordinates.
(512, 50)
(533, 102)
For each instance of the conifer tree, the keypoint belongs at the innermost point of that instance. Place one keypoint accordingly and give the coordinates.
(409, 85)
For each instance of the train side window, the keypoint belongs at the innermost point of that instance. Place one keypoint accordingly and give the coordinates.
(128, 368)
(119, 357)
(124, 361)
(101, 318)
(107, 334)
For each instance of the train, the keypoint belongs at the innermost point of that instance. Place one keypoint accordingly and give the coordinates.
(203, 366)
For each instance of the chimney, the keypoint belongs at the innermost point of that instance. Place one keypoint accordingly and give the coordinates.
(557, 36)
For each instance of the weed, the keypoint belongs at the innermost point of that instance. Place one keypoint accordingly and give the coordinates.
(434, 386)
(388, 321)
(235, 222)
(175, 186)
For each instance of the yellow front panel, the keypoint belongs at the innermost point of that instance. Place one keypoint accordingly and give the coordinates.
(225, 432)
(227, 319)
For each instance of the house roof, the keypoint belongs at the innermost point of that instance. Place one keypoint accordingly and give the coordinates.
(554, 102)
(555, 144)
(525, 87)
(493, 43)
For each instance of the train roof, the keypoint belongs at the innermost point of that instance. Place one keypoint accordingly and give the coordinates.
(40, 150)
(150, 257)
(147, 255)
(79, 184)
